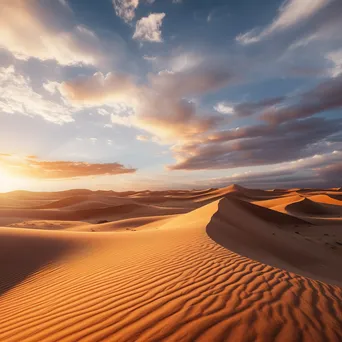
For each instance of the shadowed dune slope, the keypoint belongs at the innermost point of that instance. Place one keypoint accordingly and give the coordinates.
(19, 258)
(311, 208)
(64, 202)
(92, 215)
(230, 270)
(245, 228)
(174, 283)
(265, 213)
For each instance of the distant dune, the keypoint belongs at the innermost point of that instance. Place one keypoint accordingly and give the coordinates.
(229, 264)
(313, 208)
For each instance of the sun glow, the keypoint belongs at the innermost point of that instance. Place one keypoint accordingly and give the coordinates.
(10, 183)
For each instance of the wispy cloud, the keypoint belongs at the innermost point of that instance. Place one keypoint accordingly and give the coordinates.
(316, 171)
(142, 138)
(224, 108)
(149, 58)
(18, 97)
(100, 88)
(324, 97)
(42, 169)
(336, 58)
(291, 13)
(26, 34)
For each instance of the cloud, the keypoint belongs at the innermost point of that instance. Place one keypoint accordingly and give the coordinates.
(291, 13)
(249, 108)
(172, 119)
(165, 110)
(29, 29)
(125, 9)
(191, 82)
(332, 172)
(336, 58)
(149, 28)
(18, 97)
(42, 169)
(317, 171)
(160, 107)
(100, 88)
(122, 120)
(66, 4)
(149, 58)
(51, 86)
(142, 138)
(324, 97)
(224, 108)
(258, 145)
(246, 108)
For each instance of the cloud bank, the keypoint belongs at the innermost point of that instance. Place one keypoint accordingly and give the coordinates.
(33, 167)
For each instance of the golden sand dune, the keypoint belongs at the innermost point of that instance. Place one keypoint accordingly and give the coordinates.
(91, 215)
(47, 224)
(64, 202)
(274, 202)
(228, 271)
(327, 199)
(132, 224)
(312, 208)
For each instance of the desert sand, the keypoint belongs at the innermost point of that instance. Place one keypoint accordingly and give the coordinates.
(230, 264)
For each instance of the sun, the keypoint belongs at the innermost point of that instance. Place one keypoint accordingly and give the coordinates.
(10, 183)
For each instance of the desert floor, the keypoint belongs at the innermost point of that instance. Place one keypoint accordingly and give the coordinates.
(230, 264)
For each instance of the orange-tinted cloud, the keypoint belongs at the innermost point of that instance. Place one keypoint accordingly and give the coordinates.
(160, 107)
(29, 29)
(35, 168)
(100, 88)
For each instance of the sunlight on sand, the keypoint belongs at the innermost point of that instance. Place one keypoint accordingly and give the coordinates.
(212, 265)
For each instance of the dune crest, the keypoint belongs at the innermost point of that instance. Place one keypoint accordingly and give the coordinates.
(208, 265)
(312, 208)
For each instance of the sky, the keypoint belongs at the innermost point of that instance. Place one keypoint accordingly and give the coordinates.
(165, 94)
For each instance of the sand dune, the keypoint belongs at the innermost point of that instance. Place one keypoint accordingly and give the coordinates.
(312, 208)
(275, 202)
(228, 270)
(90, 215)
(47, 224)
(266, 214)
(327, 199)
(65, 202)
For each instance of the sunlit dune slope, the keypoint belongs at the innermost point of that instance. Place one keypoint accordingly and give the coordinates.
(327, 199)
(308, 207)
(220, 272)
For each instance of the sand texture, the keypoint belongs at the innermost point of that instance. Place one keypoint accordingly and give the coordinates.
(230, 264)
